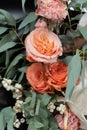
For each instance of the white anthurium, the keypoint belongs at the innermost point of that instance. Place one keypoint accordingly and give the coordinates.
(83, 20)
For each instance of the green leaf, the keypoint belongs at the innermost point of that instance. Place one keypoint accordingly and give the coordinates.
(83, 72)
(8, 17)
(6, 46)
(10, 124)
(38, 124)
(20, 77)
(83, 31)
(37, 107)
(67, 59)
(23, 69)
(31, 127)
(23, 5)
(28, 19)
(81, 1)
(52, 123)
(34, 124)
(45, 99)
(2, 30)
(14, 62)
(2, 18)
(74, 69)
(2, 122)
(7, 59)
(33, 101)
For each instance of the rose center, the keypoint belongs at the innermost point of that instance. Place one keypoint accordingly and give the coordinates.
(43, 44)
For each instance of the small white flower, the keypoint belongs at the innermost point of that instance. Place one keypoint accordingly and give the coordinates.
(61, 108)
(18, 86)
(8, 81)
(22, 120)
(17, 95)
(51, 107)
(17, 123)
(17, 109)
(51, 110)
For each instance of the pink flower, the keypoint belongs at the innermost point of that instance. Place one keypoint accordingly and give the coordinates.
(42, 45)
(41, 24)
(52, 9)
(73, 121)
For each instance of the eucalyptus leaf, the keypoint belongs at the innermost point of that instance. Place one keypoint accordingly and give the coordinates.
(8, 17)
(34, 125)
(10, 124)
(74, 69)
(45, 99)
(23, 5)
(8, 113)
(28, 19)
(14, 62)
(2, 18)
(7, 59)
(20, 77)
(83, 31)
(2, 30)
(33, 101)
(6, 46)
(37, 107)
(81, 1)
(2, 122)
(23, 69)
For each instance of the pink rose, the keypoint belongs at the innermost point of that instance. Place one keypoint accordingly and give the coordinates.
(42, 45)
(52, 9)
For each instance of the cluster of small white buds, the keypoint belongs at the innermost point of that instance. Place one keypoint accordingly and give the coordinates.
(17, 94)
(51, 107)
(7, 84)
(61, 108)
(17, 108)
(18, 122)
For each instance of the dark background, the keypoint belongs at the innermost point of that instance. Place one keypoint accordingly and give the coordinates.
(15, 6)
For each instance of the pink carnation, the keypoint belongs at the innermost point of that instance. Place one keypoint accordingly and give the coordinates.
(52, 9)
(73, 121)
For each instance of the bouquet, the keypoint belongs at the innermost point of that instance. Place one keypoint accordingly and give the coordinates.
(43, 67)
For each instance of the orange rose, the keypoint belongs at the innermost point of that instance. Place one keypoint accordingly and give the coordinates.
(52, 9)
(57, 75)
(35, 75)
(42, 45)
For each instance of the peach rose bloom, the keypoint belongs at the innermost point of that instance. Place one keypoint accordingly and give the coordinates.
(52, 9)
(57, 75)
(42, 45)
(35, 75)
(73, 121)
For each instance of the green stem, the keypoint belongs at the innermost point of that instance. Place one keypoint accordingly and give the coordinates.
(69, 21)
(17, 35)
(69, 18)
